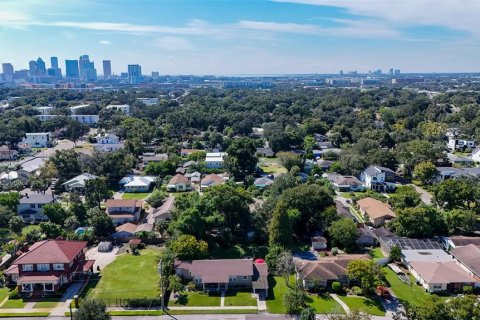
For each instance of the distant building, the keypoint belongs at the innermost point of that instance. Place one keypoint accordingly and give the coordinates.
(8, 71)
(460, 144)
(215, 160)
(148, 101)
(108, 142)
(107, 69)
(134, 73)
(71, 69)
(38, 139)
(87, 69)
(86, 118)
(378, 178)
(125, 108)
(54, 62)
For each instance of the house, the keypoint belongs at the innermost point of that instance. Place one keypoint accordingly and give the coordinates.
(123, 211)
(179, 183)
(211, 180)
(148, 101)
(265, 152)
(77, 184)
(7, 154)
(187, 152)
(30, 167)
(74, 110)
(459, 160)
(30, 206)
(218, 275)
(147, 158)
(323, 164)
(215, 160)
(194, 177)
(468, 257)
(38, 139)
(320, 137)
(319, 243)
(108, 142)
(8, 177)
(128, 230)
(343, 211)
(388, 240)
(378, 178)
(344, 183)
(476, 154)
(408, 256)
(441, 276)
(326, 270)
(453, 242)
(125, 108)
(445, 173)
(376, 211)
(48, 265)
(137, 183)
(455, 144)
(88, 119)
(164, 212)
(262, 182)
(366, 237)
(325, 145)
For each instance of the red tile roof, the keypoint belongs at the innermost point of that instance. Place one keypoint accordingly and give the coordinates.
(51, 251)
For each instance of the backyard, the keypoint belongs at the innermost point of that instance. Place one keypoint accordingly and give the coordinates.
(129, 276)
(271, 166)
(135, 196)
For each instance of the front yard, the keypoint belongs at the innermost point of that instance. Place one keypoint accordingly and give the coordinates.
(239, 298)
(370, 306)
(196, 299)
(135, 196)
(129, 277)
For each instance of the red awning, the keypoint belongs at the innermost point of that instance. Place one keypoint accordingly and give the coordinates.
(37, 279)
(87, 265)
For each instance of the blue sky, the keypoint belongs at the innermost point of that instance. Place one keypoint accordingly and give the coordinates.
(246, 36)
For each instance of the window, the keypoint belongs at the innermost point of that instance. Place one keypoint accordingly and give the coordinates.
(232, 279)
(48, 287)
(245, 277)
(32, 206)
(43, 267)
(27, 287)
(27, 267)
(198, 279)
(58, 266)
(437, 286)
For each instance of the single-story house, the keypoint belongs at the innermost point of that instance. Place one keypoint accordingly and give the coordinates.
(388, 240)
(468, 257)
(323, 164)
(344, 183)
(30, 206)
(146, 158)
(445, 173)
(377, 212)
(424, 255)
(179, 183)
(163, 212)
(137, 183)
(122, 211)
(211, 180)
(265, 152)
(453, 242)
(325, 270)
(187, 152)
(128, 230)
(78, 183)
(366, 238)
(319, 243)
(460, 160)
(217, 275)
(262, 182)
(8, 154)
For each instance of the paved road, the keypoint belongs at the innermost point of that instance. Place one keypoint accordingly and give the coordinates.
(188, 317)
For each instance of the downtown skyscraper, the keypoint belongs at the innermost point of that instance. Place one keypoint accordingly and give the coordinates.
(87, 69)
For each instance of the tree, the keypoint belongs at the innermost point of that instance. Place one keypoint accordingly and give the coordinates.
(16, 224)
(92, 310)
(156, 198)
(55, 213)
(5, 215)
(395, 253)
(285, 266)
(367, 272)
(100, 222)
(293, 301)
(460, 221)
(66, 163)
(419, 222)
(50, 230)
(308, 314)
(75, 130)
(426, 172)
(175, 284)
(344, 234)
(161, 168)
(289, 160)
(187, 247)
(281, 227)
(404, 197)
(9, 200)
(96, 191)
(71, 223)
(241, 160)
(454, 193)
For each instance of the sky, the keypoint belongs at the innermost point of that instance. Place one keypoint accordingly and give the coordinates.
(234, 37)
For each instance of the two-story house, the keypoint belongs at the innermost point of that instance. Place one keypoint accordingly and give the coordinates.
(7, 154)
(48, 265)
(455, 144)
(30, 206)
(217, 275)
(108, 142)
(179, 183)
(215, 160)
(378, 178)
(123, 211)
(38, 139)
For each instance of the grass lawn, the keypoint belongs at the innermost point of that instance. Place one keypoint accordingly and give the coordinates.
(277, 289)
(271, 165)
(29, 228)
(197, 299)
(4, 292)
(414, 295)
(370, 306)
(175, 312)
(238, 252)
(26, 314)
(377, 253)
(239, 298)
(47, 303)
(135, 196)
(129, 276)
(14, 304)
(324, 304)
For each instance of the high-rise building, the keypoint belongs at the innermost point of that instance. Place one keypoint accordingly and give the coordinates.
(72, 69)
(155, 74)
(42, 69)
(54, 62)
(107, 69)
(87, 69)
(7, 69)
(134, 73)
(33, 68)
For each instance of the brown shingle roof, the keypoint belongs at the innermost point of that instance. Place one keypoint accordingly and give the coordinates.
(469, 256)
(375, 209)
(51, 251)
(441, 272)
(212, 180)
(128, 227)
(217, 271)
(123, 203)
(327, 268)
(178, 178)
(463, 240)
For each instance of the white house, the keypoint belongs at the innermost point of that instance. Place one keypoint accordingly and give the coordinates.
(125, 108)
(38, 139)
(78, 183)
(476, 154)
(122, 211)
(215, 160)
(74, 109)
(137, 183)
(378, 178)
(108, 142)
(86, 118)
(460, 144)
(148, 101)
(44, 110)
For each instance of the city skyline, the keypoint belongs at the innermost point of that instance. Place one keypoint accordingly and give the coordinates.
(252, 37)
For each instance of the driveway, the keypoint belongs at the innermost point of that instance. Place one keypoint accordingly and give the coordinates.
(102, 259)
(424, 195)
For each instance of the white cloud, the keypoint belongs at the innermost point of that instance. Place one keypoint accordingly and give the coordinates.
(173, 43)
(105, 42)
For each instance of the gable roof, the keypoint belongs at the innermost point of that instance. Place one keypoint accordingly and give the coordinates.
(441, 272)
(469, 256)
(327, 268)
(212, 180)
(459, 241)
(41, 198)
(80, 179)
(178, 178)
(217, 271)
(376, 209)
(123, 203)
(51, 251)
(374, 170)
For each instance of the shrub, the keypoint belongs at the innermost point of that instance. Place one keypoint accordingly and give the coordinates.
(334, 251)
(467, 289)
(14, 294)
(156, 198)
(142, 302)
(357, 291)
(336, 286)
(190, 286)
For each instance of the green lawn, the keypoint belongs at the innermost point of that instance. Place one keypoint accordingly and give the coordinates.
(370, 306)
(324, 304)
(239, 298)
(197, 299)
(238, 252)
(129, 276)
(135, 196)
(271, 165)
(377, 253)
(26, 314)
(414, 295)
(47, 303)
(4, 292)
(29, 228)
(14, 304)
